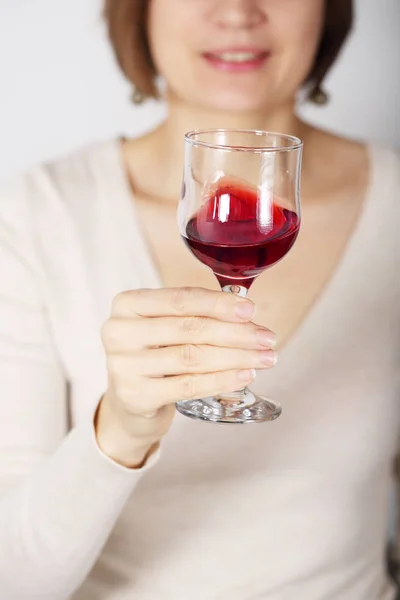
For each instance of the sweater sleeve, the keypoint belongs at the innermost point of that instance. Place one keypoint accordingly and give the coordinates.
(60, 496)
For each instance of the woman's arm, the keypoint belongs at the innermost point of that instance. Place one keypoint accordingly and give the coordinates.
(59, 495)
(393, 555)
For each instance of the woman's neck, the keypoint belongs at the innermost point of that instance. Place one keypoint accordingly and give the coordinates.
(183, 117)
(158, 156)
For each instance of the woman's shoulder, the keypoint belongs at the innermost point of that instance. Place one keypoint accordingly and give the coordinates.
(70, 181)
(385, 160)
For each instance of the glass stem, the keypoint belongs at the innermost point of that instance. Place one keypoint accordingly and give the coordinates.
(239, 290)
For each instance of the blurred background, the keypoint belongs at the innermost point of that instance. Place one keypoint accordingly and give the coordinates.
(59, 88)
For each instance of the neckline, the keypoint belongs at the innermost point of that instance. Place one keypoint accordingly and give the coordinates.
(129, 228)
(338, 273)
(134, 240)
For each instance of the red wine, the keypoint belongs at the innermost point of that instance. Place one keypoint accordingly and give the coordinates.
(232, 235)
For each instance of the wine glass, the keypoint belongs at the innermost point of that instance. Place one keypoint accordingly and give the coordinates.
(239, 214)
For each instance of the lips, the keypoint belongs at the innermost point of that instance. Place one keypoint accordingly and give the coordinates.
(237, 59)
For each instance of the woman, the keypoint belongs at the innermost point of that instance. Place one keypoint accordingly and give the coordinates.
(297, 509)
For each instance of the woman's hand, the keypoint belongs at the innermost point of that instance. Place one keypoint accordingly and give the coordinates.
(168, 345)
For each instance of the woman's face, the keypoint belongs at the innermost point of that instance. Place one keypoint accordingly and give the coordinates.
(234, 54)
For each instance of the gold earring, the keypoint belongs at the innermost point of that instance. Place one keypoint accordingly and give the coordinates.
(137, 97)
(318, 96)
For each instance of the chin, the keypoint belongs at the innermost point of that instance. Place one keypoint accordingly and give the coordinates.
(236, 100)
(223, 100)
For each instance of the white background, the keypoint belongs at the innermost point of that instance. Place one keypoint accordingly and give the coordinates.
(59, 87)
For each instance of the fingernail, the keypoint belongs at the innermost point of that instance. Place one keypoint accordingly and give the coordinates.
(268, 358)
(266, 338)
(247, 375)
(245, 310)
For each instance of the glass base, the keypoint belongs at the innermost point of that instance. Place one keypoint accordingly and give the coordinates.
(227, 409)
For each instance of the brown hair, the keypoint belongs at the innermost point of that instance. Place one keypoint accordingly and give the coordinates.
(126, 24)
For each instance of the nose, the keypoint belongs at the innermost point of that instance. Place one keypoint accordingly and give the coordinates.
(237, 14)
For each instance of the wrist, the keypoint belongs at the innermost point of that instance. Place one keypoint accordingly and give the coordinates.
(116, 443)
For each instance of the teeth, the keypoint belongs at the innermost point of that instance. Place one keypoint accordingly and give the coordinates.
(237, 56)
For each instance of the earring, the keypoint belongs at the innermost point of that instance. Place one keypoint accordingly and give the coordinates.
(137, 97)
(318, 96)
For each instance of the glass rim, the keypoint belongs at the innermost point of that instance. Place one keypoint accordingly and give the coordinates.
(296, 143)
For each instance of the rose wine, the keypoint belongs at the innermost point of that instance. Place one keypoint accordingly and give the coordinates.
(238, 234)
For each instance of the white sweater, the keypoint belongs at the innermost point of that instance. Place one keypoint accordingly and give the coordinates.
(291, 510)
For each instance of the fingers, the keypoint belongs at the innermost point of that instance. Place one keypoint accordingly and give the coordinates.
(168, 345)
(190, 358)
(183, 302)
(146, 395)
(129, 335)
